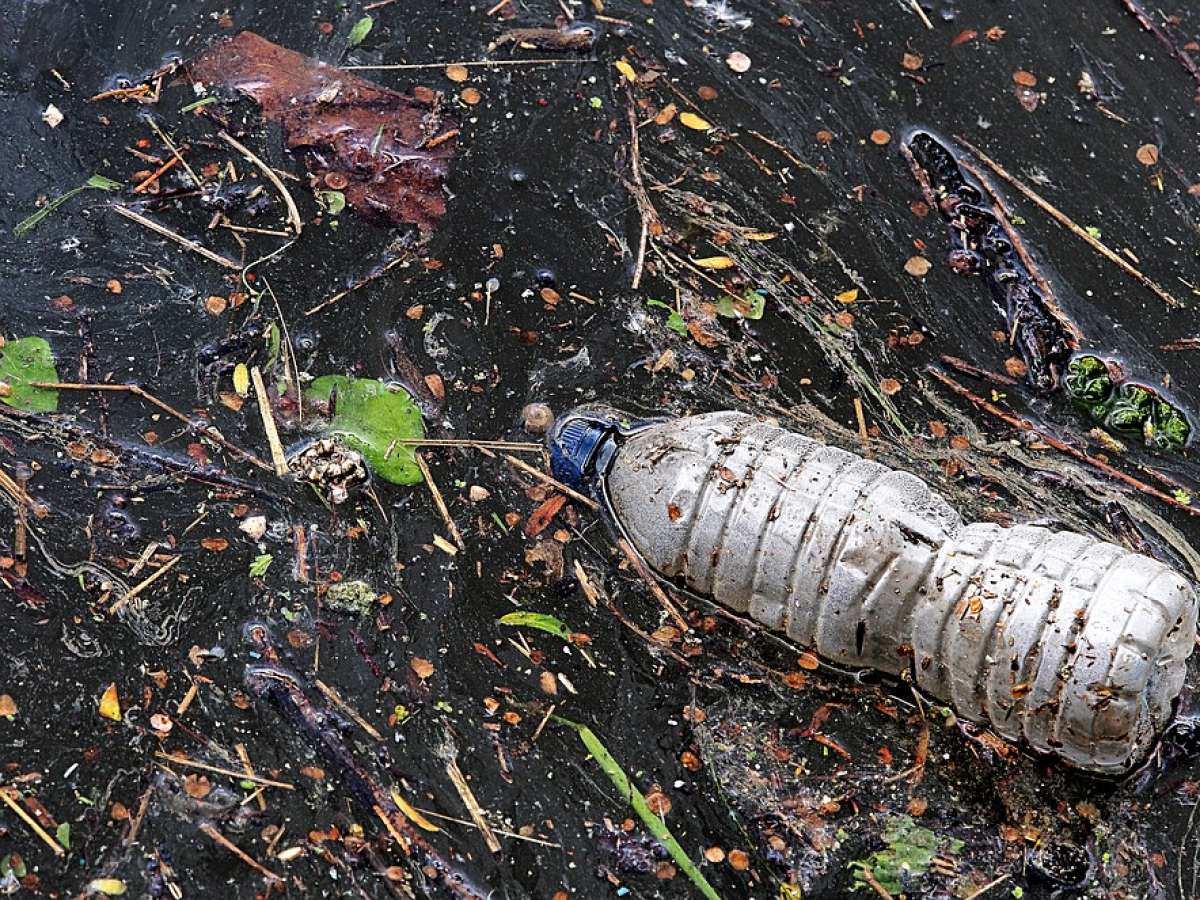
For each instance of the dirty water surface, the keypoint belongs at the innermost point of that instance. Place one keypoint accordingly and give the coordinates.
(219, 682)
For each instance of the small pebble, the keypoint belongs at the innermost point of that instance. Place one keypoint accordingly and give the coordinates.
(538, 418)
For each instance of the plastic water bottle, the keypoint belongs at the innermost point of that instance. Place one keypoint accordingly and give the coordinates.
(1069, 643)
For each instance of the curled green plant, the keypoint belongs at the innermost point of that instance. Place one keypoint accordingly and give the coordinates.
(1167, 428)
(1088, 380)
(1131, 410)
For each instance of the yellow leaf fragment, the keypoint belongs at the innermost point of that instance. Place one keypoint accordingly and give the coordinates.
(241, 379)
(110, 887)
(693, 121)
(714, 262)
(411, 814)
(110, 704)
(626, 69)
(760, 235)
(847, 296)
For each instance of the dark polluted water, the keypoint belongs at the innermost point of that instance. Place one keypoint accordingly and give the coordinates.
(786, 262)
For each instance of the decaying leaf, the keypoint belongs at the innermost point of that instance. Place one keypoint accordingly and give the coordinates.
(110, 704)
(392, 149)
(693, 121)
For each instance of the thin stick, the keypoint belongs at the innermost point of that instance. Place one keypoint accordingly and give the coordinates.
(145, 583)
(438, 501)
(207, 431)
(1062, 447)
(514, 446)
(162, 170)
(188, 243)
(232, 773)
(862, 426)
(37, 829)
(10, 486)
(188, 697)
(174, 150)
(987, 887)
(1001, 212)
(362, 282)
(293, 212)
(920, 12)
(645, 210)
(268, 420)
(211, 830)
(468, 798)
(141, 815)
(507, 834)
(478, 62)
(553, 482)
(245, 758)
(336, 699)
(655, 588)
(1062, 219)
(1151, 26)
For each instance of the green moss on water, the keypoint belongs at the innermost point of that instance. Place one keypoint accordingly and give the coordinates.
(906, 858)
(353, 597)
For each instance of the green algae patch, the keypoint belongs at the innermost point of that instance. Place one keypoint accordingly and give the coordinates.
(371, 417)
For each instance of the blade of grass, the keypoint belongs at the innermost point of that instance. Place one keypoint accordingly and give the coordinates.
(97, 182)
(637, 800)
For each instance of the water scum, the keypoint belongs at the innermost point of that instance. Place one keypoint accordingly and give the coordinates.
(740, 166)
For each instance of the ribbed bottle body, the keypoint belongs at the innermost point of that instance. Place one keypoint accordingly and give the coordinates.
(1069, 643)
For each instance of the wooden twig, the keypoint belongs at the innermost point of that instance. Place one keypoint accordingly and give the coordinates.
(144, 185)
(170, 145)
(647, 576)
(145, 583)
(246, 764)
(1061, 446)
(166, 232)
(232, 773)
(483, 63)
(553, 482)
(362, 282)
(211, 830)
(207, 431)
(512, 446)
(862, 426)
(268, 419)
(1005, 217)
(293, 212)
(11, 487)
(508, 834)
(966, 368)
(336, 699)
(6, 795)
(468, 798)
(438, 501)
(915, 4)
(995, 882)
(645, 209)
(1151, 26)
(1062, 219)
(136, 825)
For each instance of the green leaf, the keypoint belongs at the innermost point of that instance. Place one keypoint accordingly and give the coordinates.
(98, 182)
(64, 835)
(21, 362)
(750, 306)
(1093, 231)
(361, 29)
(260, 564)
(674, 319)
(368, 416)
(540, 621)
(333, 202)
(199, 104)
(637, 800)
(909, 852)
